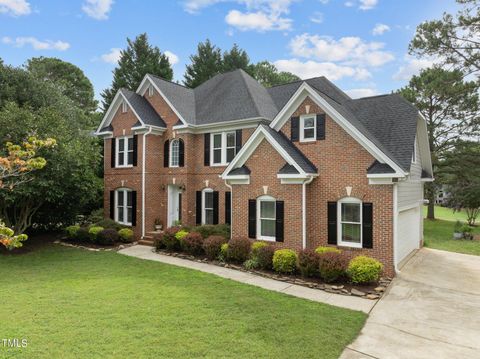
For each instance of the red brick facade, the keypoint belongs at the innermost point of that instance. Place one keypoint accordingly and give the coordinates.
(341, 163)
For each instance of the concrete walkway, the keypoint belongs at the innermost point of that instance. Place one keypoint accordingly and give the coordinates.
(350, 302)
(431, 310)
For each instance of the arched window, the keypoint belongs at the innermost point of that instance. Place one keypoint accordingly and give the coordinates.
(124, 206)
(266, 217)
(174, 153)
(350, 222)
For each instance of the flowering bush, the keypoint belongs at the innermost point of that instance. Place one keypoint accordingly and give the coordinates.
(9, 240)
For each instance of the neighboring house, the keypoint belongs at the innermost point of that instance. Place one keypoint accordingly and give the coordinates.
(443, 195)
(298, 165)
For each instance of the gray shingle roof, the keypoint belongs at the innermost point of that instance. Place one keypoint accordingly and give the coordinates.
(292, 150)
(287, 169)
(379, 168)
(141, 106)
(244, 170)
(108, 128)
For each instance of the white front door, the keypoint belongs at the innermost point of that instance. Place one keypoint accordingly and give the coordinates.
(174, 203)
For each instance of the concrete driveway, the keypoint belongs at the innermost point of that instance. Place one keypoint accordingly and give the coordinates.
(432, 310)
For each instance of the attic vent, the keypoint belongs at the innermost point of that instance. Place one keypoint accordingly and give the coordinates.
(150, 91)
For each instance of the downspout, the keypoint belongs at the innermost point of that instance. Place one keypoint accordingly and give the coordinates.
(231, 207)
(144, 146)
(304, 211)
(395, 220)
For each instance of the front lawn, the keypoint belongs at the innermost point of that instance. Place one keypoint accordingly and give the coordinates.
(447, 214)
(71, 303)
(438, 234)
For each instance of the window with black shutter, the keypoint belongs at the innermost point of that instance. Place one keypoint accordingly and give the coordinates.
(238, 141)
(198, 208)
(252, 218)
(332, 222)
(206, 149)
(181, 153)
(135, 150)
(113, 152)
(228, 207)
(166, 152)
(294, 128)
(367, 229)
(112, 205)
(215, 207)
(279, 220)
(320, 126)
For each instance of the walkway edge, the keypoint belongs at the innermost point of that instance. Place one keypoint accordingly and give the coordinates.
(349, 302)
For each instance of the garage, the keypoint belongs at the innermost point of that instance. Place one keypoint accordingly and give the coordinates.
(408, 233)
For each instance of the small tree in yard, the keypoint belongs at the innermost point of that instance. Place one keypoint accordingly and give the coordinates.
(461, 172)
(16, 167)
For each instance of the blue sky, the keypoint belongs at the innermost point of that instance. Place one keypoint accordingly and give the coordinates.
(361, 45)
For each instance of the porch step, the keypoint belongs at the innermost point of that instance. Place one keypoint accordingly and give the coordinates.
(146, 241)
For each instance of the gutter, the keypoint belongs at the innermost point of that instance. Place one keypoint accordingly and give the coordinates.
(395, 225)
(304, 211)
(231, 207)
(144, 145)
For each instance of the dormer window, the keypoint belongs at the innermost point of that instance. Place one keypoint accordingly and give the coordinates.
(124, 107)
(308, 128)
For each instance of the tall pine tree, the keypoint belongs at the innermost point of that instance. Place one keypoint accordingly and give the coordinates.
(236, 58)
(268, 75)
(135, 62)
(206, 63)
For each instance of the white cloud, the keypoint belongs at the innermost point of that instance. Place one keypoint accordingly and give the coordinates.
(367, 4)
(361, 92)
(412, 66)
(194, 6)
(349, 3)
(330, 70)
(348, 50)
(380, 29)
(97, 9)
(171, 57)
(36, 44)
(258, 21)
(317, 17)
(15, 7)
(112, 57)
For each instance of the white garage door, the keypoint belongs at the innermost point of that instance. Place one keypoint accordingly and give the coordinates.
(408, 229)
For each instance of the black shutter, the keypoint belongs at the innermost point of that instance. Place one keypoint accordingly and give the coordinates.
(252, 218)
(198, 208)
(279, 219)
(166, 148)
(181, 153)
(332, 222)
(228, 207)
(135, 149)
(180, 206)
(367, 229)
(112, 155)
(215, 207)
(134, 208)
(206, 149)
(294, 128)
(112, 205)
(238, 141)
(320, 126)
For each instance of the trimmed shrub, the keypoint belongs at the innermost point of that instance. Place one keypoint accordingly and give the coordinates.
(107, 237)
(208, 230)
(284, 261)
(212, 246)
(108, 223)
(264, 256)
(223, 252)
(256, 247)
(93, 231)
(170, 240)
(192, 243)
(321, 250)
(308, 262)
(332, 266)
(82, 235)
(125, 235)
(181, 234)
(251, 263)
(238, 249)
(363, 269)
(71, 232)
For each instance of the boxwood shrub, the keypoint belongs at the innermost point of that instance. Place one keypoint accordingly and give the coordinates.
(71, 232)
(284, 261)
(126, 235)
(93, 231)
(82, 235)
(363, 269)
(213, 230)
(321, 250)
(107, 237)
(238, 249)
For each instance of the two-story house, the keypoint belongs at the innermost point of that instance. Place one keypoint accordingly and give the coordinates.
(299, 165)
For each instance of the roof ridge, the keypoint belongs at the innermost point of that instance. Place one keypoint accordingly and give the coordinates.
(250, 92)
(174, 83)
(374, 96)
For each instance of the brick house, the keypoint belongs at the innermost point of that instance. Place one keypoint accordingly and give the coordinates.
(299, 165)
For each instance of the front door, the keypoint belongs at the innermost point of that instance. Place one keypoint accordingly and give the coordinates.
(174, 205)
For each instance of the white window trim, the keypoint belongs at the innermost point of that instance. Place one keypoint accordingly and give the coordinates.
(339, 222)
(260, 199)
(223, 148)
(170, 164)
(125, 152)
(125, 206)
(204, 217)
(302, 127)
(124, 106)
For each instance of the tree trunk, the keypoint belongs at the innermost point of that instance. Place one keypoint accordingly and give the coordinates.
(430, 191)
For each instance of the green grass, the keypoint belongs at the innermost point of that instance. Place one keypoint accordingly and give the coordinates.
(447, 214)
(438, 234)
(71, 303)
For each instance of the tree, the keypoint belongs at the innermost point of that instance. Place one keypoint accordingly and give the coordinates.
(268, 75)
(70, 79)
(236, 58)
(206, 63)
(450, 106)
(460, 171)
(139, 59)
(455, 39)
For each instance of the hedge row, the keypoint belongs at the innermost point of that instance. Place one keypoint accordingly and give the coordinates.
(105, 232)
